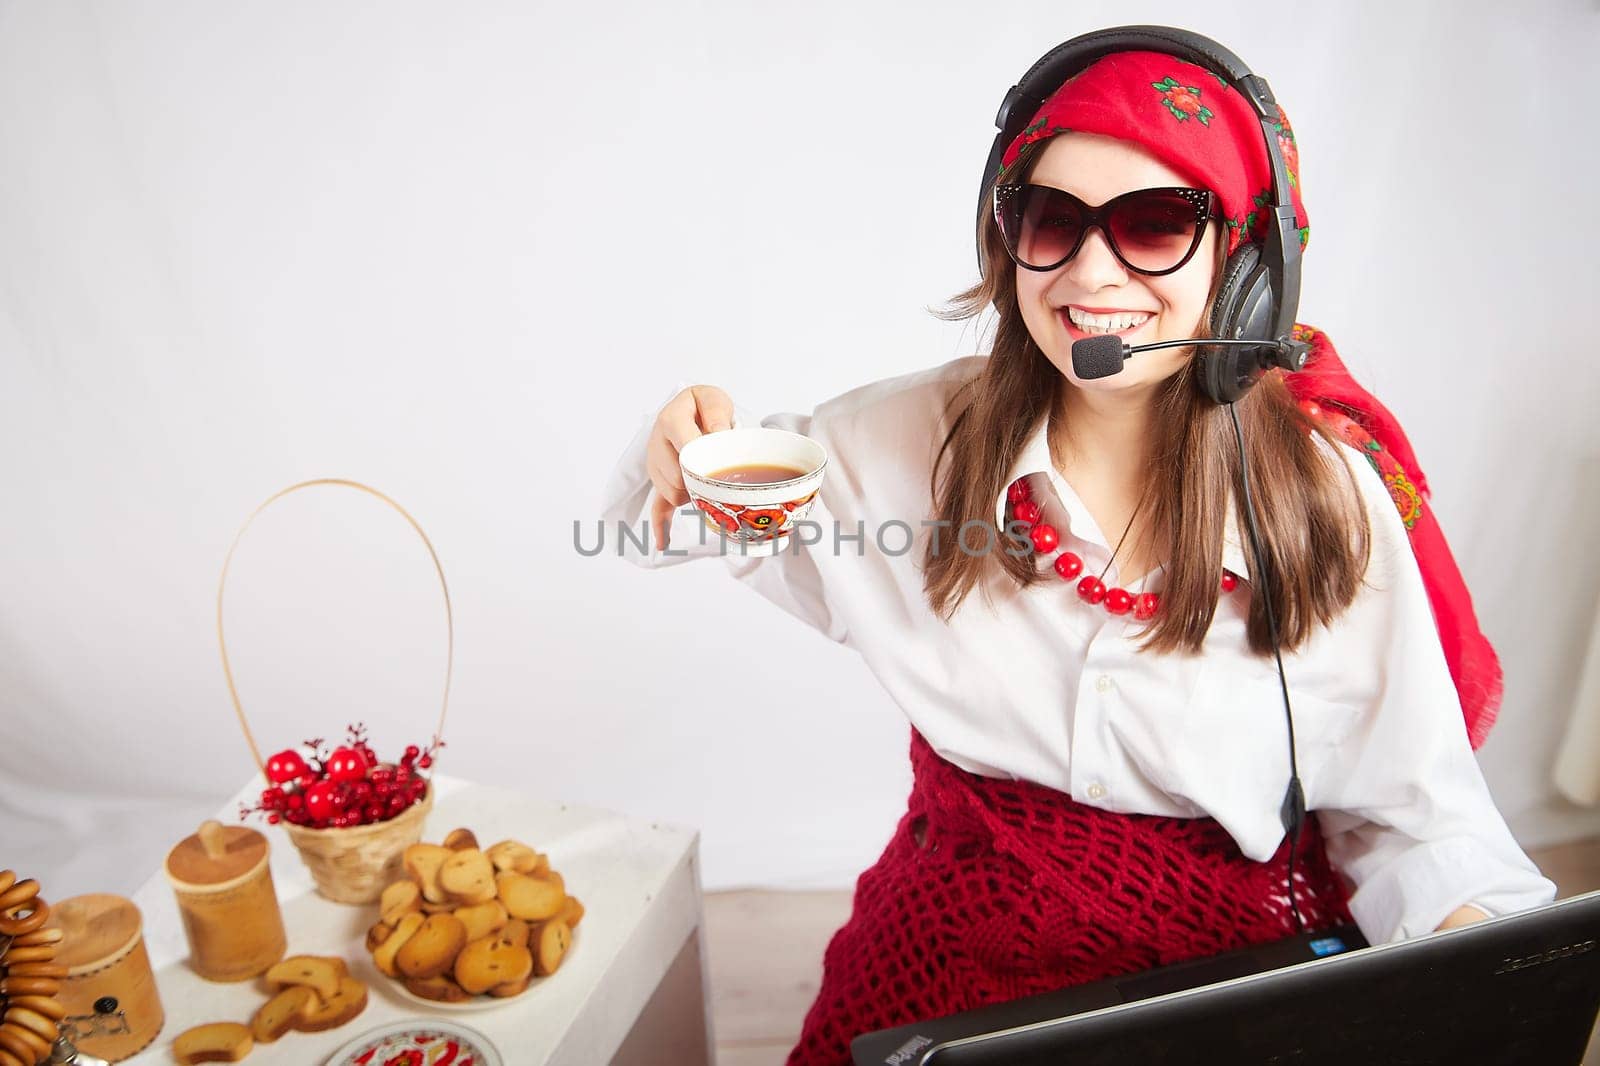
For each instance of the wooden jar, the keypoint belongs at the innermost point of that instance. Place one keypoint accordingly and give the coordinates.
(229, 907)
(102, 947)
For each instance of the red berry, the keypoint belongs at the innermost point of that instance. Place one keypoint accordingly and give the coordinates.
(272, 799)
(319, 800)
(346, 764)
(1044, 538)
(274, 818)
(309, 778)
(1027, 511)
(285, 766)
(412, 751)
(1068, 566)
(425, 762)
(1092, 589)
(294, 801)
(1118, 601)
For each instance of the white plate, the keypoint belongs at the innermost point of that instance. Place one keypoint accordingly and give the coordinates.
(393, 1039)
(483, 1002)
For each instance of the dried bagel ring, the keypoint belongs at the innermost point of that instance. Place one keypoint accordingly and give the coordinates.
(11, 925)
(7, 879)
(45, 1028)
(39, 937)
(19, 893)
(29, 986)
(32, 953)
(24, 1042)
(37, 969)
(45, 1005)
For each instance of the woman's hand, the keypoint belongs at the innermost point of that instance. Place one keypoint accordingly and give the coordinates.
(1462, 916)
(696, 410)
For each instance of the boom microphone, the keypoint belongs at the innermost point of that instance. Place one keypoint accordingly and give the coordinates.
(1103, 355)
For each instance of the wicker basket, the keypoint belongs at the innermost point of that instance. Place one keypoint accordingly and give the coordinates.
(355, 863)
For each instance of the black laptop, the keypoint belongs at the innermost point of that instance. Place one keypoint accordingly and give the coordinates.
(1524, 988)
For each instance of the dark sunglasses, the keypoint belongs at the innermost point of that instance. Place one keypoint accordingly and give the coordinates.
(1150, 231)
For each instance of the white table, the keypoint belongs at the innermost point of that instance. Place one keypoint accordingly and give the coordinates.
(631, 990)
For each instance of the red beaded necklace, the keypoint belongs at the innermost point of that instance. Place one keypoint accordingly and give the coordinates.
(1068, 565)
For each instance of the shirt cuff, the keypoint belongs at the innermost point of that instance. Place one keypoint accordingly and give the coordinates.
(1411, 895)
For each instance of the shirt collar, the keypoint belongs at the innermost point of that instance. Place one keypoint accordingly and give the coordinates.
(1035, 464)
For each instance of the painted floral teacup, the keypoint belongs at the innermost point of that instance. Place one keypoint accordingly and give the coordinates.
(753, 485)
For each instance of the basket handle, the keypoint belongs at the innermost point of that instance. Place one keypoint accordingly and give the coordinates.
(449, 618)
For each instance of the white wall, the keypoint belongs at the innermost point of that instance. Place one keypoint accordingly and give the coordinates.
(459, 251)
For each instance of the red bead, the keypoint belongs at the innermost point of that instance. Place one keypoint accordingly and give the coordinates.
(1068, 566)
(1118, 601)
(1044, 538)
(425, 762)
(285, 766)
(1027, 511)
(1019, 491)
(274, 818)
(412, 751)
(1092, 589)
(1145, 606)
(1229, 581)
(346, 764)
(1310, 407)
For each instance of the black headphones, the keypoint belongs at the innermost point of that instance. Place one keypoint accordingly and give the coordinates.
(1260, 291)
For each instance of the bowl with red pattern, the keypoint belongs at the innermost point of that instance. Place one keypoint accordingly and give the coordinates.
(753, 486)
(418, 1042)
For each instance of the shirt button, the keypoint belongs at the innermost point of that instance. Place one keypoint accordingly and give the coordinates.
(1096, 791)
(1103, 683)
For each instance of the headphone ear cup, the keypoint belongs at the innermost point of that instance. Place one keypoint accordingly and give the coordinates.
(1243, 311)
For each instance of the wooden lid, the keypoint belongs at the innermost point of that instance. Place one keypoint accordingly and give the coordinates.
(216, 854)
(95, 930)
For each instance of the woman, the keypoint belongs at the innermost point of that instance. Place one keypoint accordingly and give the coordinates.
(1098, 736)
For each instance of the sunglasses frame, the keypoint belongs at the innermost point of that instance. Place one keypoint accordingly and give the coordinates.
(1098, 217)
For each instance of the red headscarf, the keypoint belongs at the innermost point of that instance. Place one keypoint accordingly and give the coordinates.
(1203, 128)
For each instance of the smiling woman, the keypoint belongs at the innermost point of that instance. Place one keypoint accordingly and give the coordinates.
(1099, 779)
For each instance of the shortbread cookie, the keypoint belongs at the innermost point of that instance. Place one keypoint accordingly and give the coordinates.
(398, 900)
(384, 957)
(512, 856)
(280, 1013)
(213, 1042)
(486, 963)
(422, 862)
(349, 1001)
(482, 919)
(457, 839)
(554, 939)
(529, 898)
(433, 948)
(442, 989)
(320, 973)
(468, 876)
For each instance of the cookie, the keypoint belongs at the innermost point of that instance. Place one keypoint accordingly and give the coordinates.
(384, 957)
(333, 1011)
(442, 989)
(422, 862)
(398, 900)
(529, 898)
(433, 948)
(213, 1042)
(485, 963)
(378, 934)
(515, 988)
(517, 932)
(280, 1013)
(457, 839)
(482, 919)
(554, 939)
(512, 856)
(468, 876)
(571, 912)
(320, 973)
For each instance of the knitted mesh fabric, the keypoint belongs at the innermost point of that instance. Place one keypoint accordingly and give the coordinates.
(1017, 889)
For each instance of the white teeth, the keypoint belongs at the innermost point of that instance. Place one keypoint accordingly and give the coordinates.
(1109, 323)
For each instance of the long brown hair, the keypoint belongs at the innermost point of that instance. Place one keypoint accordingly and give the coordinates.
(1311, 516)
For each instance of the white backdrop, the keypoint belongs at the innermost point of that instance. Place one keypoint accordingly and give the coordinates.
(458, 250)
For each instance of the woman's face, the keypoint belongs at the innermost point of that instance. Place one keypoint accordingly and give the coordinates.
(1096, 168)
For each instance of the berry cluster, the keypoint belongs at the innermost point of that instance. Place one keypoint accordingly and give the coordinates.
(345, 787)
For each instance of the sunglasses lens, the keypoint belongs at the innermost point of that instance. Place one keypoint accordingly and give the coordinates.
(1151, 231)
(1041, 226)
(1154, 230)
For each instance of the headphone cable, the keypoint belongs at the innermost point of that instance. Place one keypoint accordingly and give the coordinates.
(1293, 811)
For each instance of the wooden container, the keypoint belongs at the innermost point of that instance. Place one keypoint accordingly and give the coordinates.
(229, 907)
(102, 947)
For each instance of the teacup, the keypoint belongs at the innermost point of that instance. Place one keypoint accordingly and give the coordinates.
(758, 515)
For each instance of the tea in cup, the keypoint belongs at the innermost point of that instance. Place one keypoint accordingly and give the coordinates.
(753, 485)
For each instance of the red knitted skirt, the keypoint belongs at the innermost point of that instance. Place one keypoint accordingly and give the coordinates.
(991, 890)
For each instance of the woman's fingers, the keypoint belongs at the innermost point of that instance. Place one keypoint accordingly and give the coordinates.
(695, 411)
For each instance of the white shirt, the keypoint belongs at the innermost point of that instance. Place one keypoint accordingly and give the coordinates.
(1035, 684)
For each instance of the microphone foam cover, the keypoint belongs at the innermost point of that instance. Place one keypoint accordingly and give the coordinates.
(1098, 357)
